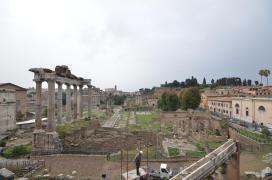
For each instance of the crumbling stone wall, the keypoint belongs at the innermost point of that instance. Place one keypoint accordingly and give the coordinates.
(190, 123)
(105, 140)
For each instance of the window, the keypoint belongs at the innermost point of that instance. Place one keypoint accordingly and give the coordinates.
(247, 111)
(164, 170)
(237, 106)
(261, 108)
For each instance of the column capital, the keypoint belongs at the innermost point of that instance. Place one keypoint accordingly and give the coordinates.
(38, 80)
(59, 83)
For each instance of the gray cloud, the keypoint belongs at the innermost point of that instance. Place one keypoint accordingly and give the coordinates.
(135, 44)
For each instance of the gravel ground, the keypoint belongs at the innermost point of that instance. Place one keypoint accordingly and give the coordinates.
(94, 166)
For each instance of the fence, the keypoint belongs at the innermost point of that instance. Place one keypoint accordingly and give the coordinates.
(21, 167)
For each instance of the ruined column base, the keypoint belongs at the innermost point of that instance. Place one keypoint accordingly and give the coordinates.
(45, 143)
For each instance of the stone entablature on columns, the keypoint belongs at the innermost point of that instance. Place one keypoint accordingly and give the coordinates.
(61, 75)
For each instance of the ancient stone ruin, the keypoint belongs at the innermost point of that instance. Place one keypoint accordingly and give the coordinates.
(47, 141)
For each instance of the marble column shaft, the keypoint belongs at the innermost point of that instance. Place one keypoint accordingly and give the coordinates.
(68, 102)
(75, 102)
(89, 101)
(80, 102)
(59, 104)
(38, 121)
(51, 123)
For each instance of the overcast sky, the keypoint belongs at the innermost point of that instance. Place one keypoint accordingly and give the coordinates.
(134, 44)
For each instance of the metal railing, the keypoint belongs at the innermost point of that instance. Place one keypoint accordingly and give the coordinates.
(205, 166)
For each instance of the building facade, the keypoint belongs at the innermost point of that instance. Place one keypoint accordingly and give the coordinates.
(221, 105)
(253, 109)
(7, 110)
(20, 94)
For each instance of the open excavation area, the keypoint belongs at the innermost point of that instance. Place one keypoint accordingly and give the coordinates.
(82, 132)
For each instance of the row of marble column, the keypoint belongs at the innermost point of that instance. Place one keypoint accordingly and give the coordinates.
(95, 100)
(77, 104)
(138, 99)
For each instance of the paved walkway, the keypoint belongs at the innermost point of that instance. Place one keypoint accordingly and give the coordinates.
(132, 118)
(115, 117)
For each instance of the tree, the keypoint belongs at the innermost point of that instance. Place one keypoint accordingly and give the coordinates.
(212, 81)
(168, 102)
(249, 82)
(204, 82)
(229, 81)
(182, 84)
(118, 100)
(191, 82)
(244, 82)
(172, 102)
(266, 73)
(175, 83)
(190, 98)
(261, 73)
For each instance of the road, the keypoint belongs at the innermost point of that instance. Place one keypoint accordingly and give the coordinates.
(114, 118)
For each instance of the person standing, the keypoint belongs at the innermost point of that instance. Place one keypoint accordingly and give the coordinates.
(137, 161)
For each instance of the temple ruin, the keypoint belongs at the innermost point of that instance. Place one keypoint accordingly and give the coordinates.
(47, 141)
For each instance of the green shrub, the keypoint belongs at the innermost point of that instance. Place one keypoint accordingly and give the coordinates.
(173, 151)
(3, 143)
(200, 146)
(217, 132)
(17, 151)
(265, 132)
(69, 128)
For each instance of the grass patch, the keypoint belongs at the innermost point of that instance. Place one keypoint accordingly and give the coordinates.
(156, 126)
(146, 122)
(173, 151)
(69, 128)
(17, 151)
(196, 154)
(254, 136)
(213, 145)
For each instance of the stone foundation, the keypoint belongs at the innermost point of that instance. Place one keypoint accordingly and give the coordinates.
(46, 143)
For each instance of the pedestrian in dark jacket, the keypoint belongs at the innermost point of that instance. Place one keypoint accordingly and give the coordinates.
(137, 161)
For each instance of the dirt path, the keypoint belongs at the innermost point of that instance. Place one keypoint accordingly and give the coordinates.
(251, 162)
(94, 166)
(115, 117)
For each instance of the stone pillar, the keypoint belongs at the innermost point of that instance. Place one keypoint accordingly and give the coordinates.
(75, 102)
(59, 105)
(68, 102)
(38, 121)
(89, 100)
(80, 102)
(51, 123)
(233, 165)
